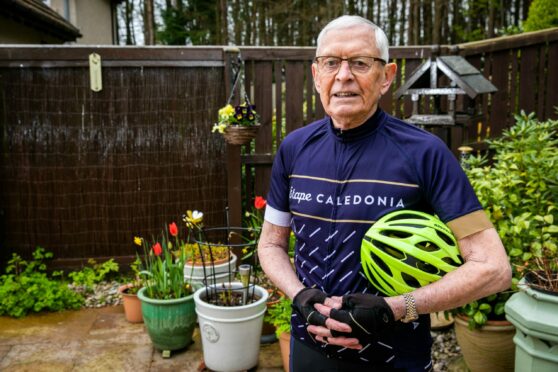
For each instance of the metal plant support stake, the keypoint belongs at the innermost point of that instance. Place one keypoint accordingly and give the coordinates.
(212, 237)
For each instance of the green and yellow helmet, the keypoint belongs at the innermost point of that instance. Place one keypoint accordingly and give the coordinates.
(406, 249)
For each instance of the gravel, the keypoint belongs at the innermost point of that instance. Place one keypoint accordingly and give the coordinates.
(102, 294)
(444, 349)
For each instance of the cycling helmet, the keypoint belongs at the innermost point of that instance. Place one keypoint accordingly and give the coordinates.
(406, 249)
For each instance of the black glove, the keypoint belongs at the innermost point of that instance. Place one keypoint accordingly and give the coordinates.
(303, 304)
(367, 315)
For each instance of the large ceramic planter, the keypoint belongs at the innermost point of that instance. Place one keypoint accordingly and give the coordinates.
(222, 271)
(170, 323)
(132, 305)
(488, 349)
(230, 335)
(535, 316)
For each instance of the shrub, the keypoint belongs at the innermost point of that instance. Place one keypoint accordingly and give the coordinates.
(518, 191)
(280, 316)
(94, 274)
(26, 287)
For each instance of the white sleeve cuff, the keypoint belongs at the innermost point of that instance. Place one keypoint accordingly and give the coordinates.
(277, 217)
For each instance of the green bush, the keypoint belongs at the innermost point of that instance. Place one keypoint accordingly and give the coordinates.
(518, 191)
(542, 14)
(26, 287)
(280, 316)
(95, 273)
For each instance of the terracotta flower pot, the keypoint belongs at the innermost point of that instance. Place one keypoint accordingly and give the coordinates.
(488, 349)
(132, 305)
(285, 345)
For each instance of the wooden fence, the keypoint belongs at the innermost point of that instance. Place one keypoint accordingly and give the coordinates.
(522, 67)
(83, 172)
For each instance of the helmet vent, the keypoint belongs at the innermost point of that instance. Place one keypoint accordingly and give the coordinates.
(445, 238)
(406, 216)
(427, 246)
(374, 282)
(449, 261)
(389, 250)
(411, 225)
(396, 234)
(381, 264)
(426, 267)
(410, 280)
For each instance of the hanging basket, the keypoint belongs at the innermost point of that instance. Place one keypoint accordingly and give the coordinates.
(240, 135)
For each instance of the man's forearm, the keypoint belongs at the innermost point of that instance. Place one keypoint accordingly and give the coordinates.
(272, 253)
(485, 272)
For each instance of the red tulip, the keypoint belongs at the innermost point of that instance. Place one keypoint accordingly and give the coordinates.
(157, 249)
(173, 229)
(259, 202)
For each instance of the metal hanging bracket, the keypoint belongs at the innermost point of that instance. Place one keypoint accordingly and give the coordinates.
(95, 73)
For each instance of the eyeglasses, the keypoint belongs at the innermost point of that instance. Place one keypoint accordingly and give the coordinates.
(357, 64)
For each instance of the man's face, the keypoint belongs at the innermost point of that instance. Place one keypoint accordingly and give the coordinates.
(349, 98)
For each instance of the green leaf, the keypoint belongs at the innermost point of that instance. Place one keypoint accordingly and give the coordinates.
(515, 252)
(549, 219)
(480, 318)
(499, 308)
(485, 308)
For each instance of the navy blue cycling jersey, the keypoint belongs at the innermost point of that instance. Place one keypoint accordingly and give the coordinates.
(330, 186)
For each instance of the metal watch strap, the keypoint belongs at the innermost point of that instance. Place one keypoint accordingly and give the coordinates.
(410, 308)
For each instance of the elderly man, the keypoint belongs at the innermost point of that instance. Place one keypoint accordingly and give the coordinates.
(331, 180)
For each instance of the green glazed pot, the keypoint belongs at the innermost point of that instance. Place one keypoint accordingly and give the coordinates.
(170, 323)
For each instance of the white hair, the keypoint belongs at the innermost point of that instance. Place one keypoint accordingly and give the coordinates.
(348, 21)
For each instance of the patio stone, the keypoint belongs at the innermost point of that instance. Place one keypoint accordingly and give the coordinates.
(98, 340)
(41, 357)
(38, 328)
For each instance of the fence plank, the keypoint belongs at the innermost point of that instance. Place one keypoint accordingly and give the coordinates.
(551, 105)
(500, 115)
(527, 78)
(295, 87)
(264, 141)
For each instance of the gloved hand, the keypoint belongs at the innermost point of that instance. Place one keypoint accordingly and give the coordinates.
(367, 315)
(303, 304)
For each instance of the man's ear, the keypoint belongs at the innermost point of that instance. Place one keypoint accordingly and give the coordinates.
(390, 70)
(314, 74)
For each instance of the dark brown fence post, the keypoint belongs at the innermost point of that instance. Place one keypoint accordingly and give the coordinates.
(234, 164)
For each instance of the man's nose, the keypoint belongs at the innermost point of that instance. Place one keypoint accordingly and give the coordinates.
(344, 71)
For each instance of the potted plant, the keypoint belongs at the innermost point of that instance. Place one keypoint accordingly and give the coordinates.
(518, 191)
(238, 124)
(533, 310)
(129, 292)
(280, 316)
(230, 314)
(166, 298)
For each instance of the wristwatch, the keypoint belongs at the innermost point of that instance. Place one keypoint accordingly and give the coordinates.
(410, 308)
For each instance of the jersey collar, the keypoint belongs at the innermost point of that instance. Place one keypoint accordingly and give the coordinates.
(361, 131)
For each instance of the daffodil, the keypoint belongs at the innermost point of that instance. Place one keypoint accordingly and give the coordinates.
(193, 218)
(138, 241)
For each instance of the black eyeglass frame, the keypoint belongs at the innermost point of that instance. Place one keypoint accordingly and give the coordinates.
(348, 59)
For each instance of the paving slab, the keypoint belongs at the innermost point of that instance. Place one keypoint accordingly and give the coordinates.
(47, 327)
(187, 359)
(98, 340)
(54, 356)
(112, 356)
